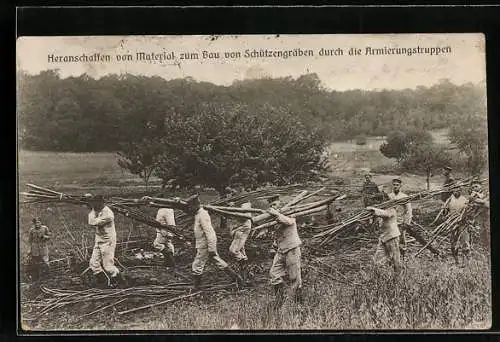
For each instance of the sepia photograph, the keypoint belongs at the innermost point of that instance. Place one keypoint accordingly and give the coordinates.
(253, 182)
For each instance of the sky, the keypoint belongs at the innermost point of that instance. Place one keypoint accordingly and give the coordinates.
(465, 63)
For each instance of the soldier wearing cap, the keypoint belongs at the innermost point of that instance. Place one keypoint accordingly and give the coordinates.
(404, 212)
(206, 243)
(448, 180)
(103, 255)
(287, 259)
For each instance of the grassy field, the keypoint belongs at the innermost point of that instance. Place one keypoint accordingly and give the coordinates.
(433, 294)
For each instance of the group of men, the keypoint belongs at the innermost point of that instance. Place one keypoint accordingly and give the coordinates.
(286, 263)
(396, 222)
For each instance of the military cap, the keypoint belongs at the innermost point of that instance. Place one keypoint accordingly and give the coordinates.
(397, 180)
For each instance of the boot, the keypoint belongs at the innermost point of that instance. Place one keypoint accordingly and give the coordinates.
(197, 281)
(279, 293)
(169, 260)
(234, 276)
(243, 272)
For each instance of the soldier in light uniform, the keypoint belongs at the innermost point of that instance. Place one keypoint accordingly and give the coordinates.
(388, 244)
(239, 232)
(404, 212)
(163, 241)
(206, 244)
(103, 255)
(460, 236)
(287, 259)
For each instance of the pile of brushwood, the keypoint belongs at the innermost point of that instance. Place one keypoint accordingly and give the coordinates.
(339, 236)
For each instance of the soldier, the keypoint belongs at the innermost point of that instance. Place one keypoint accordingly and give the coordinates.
(239, 232)
(286, 261)
(39, 235)
(481, 220)
(103, 255)
(163, 241)
(404, 212)
(448, 180)
(460, 235)
(478, 195)
(371, 192)
(206, 243)
(389, 239)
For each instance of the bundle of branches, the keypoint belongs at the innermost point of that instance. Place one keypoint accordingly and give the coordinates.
(38, 194)
(455, 222)
(102, 299)
(330, 231)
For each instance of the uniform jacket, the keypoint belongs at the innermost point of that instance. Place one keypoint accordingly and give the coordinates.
(389, 223)
(166, 217)
(104, 221)
(287, 236)
(204, 232)
(38, 241)
(404, 212)
(456, 204)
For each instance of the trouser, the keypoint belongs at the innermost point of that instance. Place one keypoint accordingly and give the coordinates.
(103, 256)
(237, 247)
(201, 259)
(460, 239)
(388, 252)
(164, 246)
(38, 266)
(287, 264)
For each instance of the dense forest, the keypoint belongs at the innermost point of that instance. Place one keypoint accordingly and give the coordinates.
(86, 114)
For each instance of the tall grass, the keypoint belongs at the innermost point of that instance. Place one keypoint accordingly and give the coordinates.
(430, 294)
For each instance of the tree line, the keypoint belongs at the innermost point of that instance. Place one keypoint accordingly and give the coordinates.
(84, 114)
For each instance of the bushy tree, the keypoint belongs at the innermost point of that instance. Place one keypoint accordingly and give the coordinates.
(470, 135)
(400, 143)
(235, 144)
(425, 157)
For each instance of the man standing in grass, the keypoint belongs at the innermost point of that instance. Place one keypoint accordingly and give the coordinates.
(206, 244)
(39, 236)
(103, 255)
(460, 235)
(404, 212)
(287, 259)
(163, 241)
(389, 239)
(239, 232)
